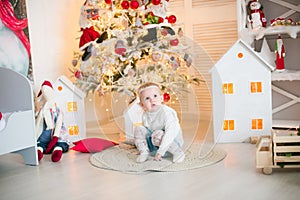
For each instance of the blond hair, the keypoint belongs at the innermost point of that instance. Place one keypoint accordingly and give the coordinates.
(147, 85)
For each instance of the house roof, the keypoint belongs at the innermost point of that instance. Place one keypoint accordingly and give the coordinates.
(255, 54)
(71, 86)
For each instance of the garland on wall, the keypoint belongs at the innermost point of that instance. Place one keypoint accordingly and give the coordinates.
(21, 13)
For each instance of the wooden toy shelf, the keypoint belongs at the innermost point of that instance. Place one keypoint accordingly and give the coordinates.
(292, 31)
(285, 84)
(287, 75)
(281, 150)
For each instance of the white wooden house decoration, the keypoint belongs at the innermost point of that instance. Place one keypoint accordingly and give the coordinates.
(71, 101)
(242, 98)
(285, 85)
(132, 118)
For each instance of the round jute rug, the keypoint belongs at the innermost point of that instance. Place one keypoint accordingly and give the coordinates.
(122, 158)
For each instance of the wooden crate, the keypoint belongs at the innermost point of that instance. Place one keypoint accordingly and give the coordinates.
(286, 149)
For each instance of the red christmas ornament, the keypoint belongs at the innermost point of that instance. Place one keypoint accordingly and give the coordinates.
(120, 48)
(171, 19)
(78, 74)
(174, 42)
(166, 97)
(134, 4)
(125, 4)
(160, 20)
(108, 1)
(155, 2)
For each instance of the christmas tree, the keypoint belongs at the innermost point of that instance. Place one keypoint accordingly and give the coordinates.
(125, 43)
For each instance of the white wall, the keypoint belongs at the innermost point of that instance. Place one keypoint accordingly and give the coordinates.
(53, 29)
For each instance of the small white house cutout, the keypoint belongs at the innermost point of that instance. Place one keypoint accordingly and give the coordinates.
(71, 101)
(132, 118)
(242, 95)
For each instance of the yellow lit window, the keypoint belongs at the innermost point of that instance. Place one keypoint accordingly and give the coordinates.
(72, 106)
(257, 124)
(73, 130)
(228, 125)
(255, 87)
(228, 88)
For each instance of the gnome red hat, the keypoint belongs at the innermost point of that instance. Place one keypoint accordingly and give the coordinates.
(45, 83)
(273, 22)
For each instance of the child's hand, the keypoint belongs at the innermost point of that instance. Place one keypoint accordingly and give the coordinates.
(157, 157)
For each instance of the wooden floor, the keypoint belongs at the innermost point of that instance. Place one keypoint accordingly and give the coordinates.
(74, 177)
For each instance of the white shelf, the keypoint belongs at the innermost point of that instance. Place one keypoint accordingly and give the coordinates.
(278, 8)
(286, 123)
(286, 75)
(274, 30)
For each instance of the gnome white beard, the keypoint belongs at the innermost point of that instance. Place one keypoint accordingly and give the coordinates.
(279, 47)
(49, 105)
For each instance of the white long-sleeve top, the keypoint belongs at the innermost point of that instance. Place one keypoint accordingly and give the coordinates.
(164, 119)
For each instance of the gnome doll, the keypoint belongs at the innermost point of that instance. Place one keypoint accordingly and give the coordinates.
(280, 54)
(50, 131)
(89, 13)
(256, 15)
